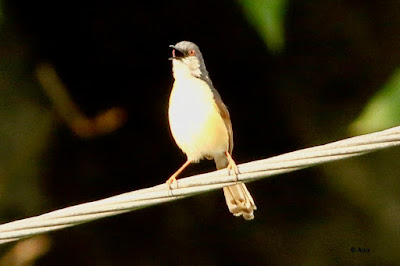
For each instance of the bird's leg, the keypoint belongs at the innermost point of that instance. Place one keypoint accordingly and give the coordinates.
(232, 165)
(173, 177)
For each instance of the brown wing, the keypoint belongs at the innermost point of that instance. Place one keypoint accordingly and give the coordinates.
(225, 116)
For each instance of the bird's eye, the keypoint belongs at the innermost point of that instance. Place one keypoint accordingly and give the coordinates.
(192, 52)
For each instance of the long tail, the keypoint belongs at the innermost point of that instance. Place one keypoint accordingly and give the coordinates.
(238, 197)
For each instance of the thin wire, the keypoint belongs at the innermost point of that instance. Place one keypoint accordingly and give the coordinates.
(193, 185)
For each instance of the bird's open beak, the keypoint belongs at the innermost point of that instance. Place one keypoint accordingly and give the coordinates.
(176, 53)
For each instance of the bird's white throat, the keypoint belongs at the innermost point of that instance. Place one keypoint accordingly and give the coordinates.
(181, 69)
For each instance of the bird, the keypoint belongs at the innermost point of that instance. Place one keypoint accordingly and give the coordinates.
(200, 123)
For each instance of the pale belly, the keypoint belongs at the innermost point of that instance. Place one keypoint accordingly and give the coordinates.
(195, 122)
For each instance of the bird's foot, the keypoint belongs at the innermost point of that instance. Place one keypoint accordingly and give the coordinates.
(171, 180)
(232, 166)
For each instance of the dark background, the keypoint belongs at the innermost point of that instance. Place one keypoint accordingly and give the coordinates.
(336, 56)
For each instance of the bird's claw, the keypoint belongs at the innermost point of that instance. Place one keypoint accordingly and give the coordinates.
(169, 182)
(232, 166)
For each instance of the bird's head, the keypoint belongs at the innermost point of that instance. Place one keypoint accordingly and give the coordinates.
(187, 60)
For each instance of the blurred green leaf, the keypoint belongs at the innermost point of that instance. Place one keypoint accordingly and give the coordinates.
(25, 130)
(383, 110)
(267, 16)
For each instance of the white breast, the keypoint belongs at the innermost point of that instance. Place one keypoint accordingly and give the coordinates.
(195, 122)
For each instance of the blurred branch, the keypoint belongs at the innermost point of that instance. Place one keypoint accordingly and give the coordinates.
(186, 187)
(81, 125)
(26, 252)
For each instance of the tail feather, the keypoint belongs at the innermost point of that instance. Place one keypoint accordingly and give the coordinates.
(238, 198)
(240, 201)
